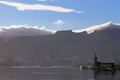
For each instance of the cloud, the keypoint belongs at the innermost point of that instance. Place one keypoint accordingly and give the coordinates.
(24, 7)
(59, 22)
(24, 30)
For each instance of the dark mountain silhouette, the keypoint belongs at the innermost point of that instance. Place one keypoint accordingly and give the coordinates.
(62, 48)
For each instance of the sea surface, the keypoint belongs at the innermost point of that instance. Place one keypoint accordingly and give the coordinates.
(54, 73)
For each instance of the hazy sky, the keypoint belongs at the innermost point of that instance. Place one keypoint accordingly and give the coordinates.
(59, 14)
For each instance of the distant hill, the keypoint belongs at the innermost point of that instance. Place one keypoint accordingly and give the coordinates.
(63, 47)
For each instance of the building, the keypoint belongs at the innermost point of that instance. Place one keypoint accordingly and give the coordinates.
(102, 66)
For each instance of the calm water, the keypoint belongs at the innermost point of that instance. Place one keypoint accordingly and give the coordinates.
(54, 73)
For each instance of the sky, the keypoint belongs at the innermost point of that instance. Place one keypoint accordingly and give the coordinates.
(59, 14)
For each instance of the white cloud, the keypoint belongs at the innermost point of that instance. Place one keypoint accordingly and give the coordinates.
(23, 7)
(24, 30)
(59, 22)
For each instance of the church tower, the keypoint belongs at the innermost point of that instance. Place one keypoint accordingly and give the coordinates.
(95, 61)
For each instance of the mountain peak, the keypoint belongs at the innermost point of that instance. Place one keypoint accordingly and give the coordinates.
(108, 25)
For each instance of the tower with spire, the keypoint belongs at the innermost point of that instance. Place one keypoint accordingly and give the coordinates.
(96, 62)
(95, 59)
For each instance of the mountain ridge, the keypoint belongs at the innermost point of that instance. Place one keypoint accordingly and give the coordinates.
(61, 48)
(108, 25)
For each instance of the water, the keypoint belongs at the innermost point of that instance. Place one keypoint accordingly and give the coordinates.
(54, 73)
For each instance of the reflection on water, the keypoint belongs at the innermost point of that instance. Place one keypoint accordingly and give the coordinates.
(105, 75)
(54, 73)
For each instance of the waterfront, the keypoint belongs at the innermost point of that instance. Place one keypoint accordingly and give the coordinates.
(54, 73)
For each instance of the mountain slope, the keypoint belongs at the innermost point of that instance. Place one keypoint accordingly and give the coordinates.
(61, 48)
